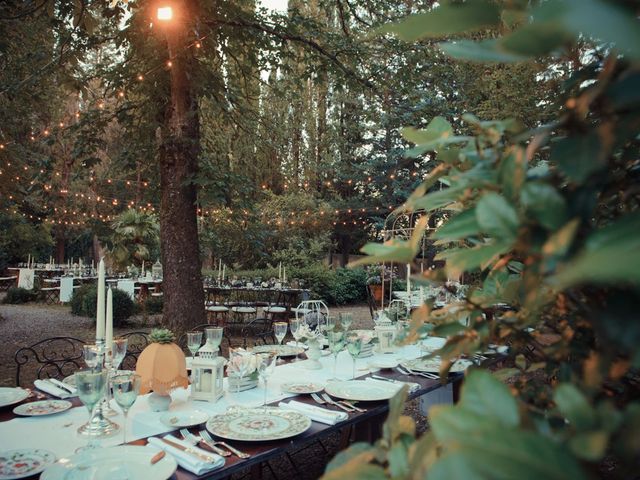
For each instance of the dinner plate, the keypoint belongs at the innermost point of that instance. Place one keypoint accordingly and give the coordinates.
(258, 424)
(24, 462)
(42, 407)
(283, 350)
(125, 461)
(301, 387)
(432, 365)
(10, 395)
(187, 418)
(383, 363)
(361, 390)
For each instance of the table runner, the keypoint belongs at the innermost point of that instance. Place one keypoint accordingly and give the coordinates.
(57, 433)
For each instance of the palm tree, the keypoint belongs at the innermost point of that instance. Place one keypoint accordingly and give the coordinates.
(135, 234)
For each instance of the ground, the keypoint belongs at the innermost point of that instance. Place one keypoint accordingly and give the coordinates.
(23, 325)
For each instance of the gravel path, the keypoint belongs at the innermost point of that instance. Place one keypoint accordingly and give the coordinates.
(24, 325)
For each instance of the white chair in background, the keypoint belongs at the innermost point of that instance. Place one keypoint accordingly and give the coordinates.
(129, 287)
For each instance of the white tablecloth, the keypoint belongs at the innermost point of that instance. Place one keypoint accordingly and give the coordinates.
(57, 433)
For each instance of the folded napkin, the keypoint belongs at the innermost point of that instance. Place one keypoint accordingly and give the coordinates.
(52, 389)
(317, 414)
(395, 384)
(187, 460)
(64, 385)
(298, 344)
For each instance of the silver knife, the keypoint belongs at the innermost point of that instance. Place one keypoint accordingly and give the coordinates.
(378, 377)
(190, 451)
(61, 385)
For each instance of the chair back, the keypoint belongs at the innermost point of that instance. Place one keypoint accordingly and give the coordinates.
(129, 287)
(312, 312)
(55, 357)
(136, 343)
(66, 289)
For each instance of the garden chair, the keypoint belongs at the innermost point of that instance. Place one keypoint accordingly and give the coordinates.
(55, 357)
(136, 343)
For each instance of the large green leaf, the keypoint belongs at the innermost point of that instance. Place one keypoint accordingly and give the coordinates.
(468, 259)
(400, 251)
(535, 39)
(461, 226)
(484, 51)
(512, 173)
(545, 204)
(497, 217)
(438, 199)
(438, 129)
(574, 406)
(578, 156)
(612, 255)
(448, 18)
(486, 396)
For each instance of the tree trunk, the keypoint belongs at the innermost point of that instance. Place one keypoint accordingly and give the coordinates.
(178, 155)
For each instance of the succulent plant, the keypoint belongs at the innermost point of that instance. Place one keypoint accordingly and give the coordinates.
(162, 335)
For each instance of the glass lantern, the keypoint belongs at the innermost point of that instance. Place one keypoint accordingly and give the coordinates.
(207, 375)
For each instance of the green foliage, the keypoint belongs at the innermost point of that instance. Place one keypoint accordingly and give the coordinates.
(547, 222)
(154, 305)
(17, 295)
(20, 238)
(135, 238)
(84, 300)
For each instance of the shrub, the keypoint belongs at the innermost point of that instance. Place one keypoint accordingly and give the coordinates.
(84, 299)
(154, 305)
(17, 295)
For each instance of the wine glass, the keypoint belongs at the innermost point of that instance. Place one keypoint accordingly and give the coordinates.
(330, 323)
(92, 354)
(336, 344)
(125, 391)
(354, 346)
(294, 326)
(194, 340)
(214, 337)
(118, 351)
(346, 319)
(240, 363)
(266, 366)
(91, 387)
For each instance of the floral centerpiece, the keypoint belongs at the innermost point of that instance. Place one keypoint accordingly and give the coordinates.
(314, 338)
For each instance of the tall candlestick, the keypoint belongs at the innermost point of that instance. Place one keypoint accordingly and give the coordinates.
(284, 274)
(109, 323)
(100, 323)
(143, 268)
(224, 272)
(409, 281)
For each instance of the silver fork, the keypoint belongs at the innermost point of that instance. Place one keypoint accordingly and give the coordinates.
(322, 401)
(195, 439)
(407, 371)
(205, 435)
(342, 402)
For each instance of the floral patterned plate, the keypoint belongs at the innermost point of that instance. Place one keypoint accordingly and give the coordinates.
(432, 365)
(24, 462)
(9, 396)
(283, 350)
(42, 407)
(258, 424)
(301, 387)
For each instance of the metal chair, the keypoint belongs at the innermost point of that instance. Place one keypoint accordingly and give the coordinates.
(136, 343)
(55, 357)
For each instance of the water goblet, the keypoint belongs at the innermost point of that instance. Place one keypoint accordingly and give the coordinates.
(346, 319)
(294, 327)
(336, 344)
(240, 364)
(354, 346)
(118, 351)
(214, 336)
(266, 366)
(330, 323)
(194, 340)
(92, 354)
(126, 388)
(91, 387)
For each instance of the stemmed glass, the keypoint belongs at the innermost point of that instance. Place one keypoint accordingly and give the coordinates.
(354, 346)
(125, 391)
(118, 351)
(92, 354)
(280, 330)
(91, 386)
(214, 337)
(194, 340)
(240, 363)
(294, 326)
(266, 366)
(330, 323)
(346, 319)
(336, 344)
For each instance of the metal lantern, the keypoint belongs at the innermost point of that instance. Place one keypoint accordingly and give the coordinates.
(207, 373)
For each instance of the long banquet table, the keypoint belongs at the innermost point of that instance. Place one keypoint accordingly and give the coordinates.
(58, 432)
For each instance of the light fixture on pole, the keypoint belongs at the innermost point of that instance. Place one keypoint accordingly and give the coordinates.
(165, 13)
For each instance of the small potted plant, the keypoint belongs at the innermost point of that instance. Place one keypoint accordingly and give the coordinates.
(374, 281)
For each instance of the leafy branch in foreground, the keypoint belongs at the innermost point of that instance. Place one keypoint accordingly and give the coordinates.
(545, 222)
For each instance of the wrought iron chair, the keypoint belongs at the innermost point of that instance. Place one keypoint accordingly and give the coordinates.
(136, 343)
(55, 357)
